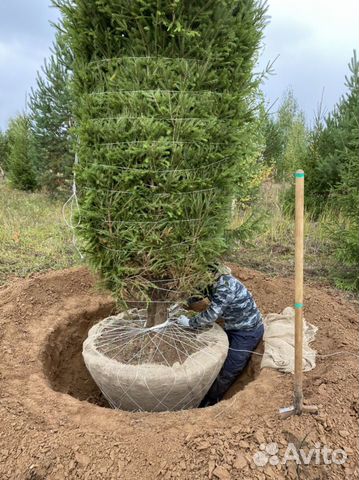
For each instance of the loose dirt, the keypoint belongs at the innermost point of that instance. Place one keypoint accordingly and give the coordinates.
(55, 425)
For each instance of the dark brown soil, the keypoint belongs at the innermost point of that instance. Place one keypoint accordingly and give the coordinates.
(50, 429)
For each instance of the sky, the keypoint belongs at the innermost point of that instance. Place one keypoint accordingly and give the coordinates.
(313, 38)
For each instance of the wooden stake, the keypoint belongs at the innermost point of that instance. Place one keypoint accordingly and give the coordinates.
(298, 407)
(298, 305)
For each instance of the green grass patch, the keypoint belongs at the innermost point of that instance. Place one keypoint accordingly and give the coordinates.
(33, 234)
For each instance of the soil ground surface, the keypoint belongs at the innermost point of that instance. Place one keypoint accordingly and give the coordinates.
(55, 425)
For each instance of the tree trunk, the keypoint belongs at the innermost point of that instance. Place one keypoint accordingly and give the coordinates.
(157, 309)
(156, 313)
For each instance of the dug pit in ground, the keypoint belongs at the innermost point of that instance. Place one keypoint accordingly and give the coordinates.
(51, 431)
(65, 368)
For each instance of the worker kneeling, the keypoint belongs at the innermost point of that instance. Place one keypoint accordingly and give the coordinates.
(243, 324)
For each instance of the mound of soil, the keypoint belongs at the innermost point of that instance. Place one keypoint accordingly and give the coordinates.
(51, 430)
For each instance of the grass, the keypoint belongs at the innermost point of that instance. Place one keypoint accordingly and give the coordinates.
(33, 235)
(271, 247)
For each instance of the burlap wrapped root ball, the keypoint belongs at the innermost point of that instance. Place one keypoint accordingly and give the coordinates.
(153, 370)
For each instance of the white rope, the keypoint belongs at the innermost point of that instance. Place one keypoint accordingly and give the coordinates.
(160, 90)
(162, 142)
(145, 170)
(73, 201)
(136, 117)
(147, 57)
(314, 353)
(140, 250)
(337, 353)
(134, 192)
(166, 280)
(164, 220)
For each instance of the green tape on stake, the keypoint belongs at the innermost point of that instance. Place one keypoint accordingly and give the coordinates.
(298, 305)
(299, 175)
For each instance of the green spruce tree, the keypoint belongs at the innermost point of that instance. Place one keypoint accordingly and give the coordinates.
(273, 149)
(163, 102)
(50, 107)
(346, 188)
(286, 137)
(22, 154)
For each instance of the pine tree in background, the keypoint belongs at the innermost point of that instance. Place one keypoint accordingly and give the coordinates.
(345, 125)
(22, 154)
(333, 148)
(163, 103)
(319, 174)
(50, 112)
(273, 140)
(286, 138)
(296, 147)
(347, 143)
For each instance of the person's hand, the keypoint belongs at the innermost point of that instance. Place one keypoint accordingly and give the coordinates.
(183, 321)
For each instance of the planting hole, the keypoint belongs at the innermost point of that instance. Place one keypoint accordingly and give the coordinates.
(66, 371)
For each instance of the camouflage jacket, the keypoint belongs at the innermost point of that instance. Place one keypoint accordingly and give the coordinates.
(232, 302)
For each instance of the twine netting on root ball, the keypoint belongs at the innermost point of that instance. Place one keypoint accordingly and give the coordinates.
(164, 368)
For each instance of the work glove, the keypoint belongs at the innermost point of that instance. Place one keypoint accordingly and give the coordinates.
(183, 321)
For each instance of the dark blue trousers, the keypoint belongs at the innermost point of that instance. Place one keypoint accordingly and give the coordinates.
(235, 362)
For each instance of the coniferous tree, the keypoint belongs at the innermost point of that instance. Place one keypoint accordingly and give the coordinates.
(50, 112)
(162, 92)
(346, 142)
(292, 137)
(273, 140)
(333, 147)
(346, 188)
(22, 154)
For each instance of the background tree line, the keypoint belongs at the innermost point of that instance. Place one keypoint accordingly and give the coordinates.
(35, 150)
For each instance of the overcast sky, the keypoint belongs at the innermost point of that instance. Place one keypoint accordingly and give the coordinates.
(313, 38)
